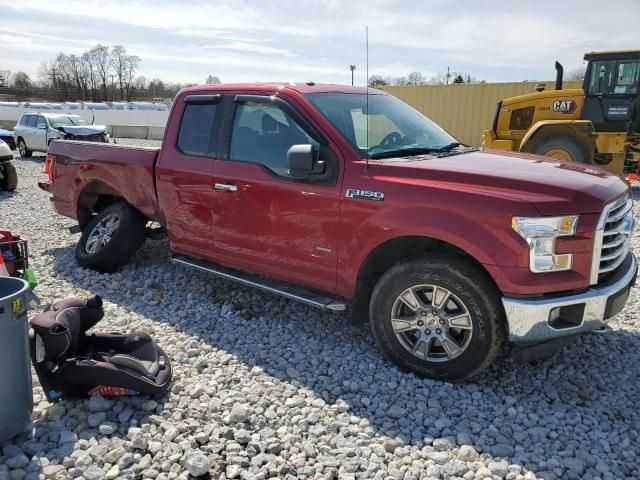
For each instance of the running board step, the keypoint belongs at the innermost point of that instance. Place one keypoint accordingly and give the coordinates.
(293, 292)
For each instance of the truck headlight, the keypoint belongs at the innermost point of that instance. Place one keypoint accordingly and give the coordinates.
(541, 233)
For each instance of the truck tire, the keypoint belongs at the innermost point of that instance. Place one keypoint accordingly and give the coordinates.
(563, 147)
(451, 337)
(9, 180)
(23, 150)
(111, 238)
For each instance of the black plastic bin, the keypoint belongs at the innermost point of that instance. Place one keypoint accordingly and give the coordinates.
(16, 394)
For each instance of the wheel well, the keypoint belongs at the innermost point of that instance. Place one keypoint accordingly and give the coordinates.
(94, 198)
(579, 133)
(387, 254)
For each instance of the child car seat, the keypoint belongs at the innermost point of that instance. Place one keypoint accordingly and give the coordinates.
(69, 362)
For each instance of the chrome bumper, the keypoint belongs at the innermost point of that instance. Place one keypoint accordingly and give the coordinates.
(528, 320)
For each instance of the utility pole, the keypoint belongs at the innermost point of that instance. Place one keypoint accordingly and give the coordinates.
(353, 68)
(448, 75)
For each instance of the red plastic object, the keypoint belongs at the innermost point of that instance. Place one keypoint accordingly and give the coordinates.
(107, 391)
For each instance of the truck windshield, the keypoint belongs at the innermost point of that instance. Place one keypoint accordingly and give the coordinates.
(395, 129)
(66, 121)
(615, 77)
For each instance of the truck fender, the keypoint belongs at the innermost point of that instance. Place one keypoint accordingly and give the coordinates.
(485, 243)
(582, 129)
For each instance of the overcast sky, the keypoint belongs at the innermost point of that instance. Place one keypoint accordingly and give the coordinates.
(277, 40)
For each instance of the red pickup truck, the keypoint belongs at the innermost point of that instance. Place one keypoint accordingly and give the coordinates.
(334, 194)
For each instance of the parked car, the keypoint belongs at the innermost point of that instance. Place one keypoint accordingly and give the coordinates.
(8, 174)
(35, 131)
(327, 194)
(7, 137)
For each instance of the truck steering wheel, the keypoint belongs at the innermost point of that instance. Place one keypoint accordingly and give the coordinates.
(392, 138)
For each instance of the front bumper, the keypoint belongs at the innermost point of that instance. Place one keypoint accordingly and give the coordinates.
(532, 321)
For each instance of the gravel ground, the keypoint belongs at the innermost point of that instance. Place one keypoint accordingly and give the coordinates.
(268, 388)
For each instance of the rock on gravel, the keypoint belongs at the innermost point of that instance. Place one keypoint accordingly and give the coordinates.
(268, 388)
(196, 463)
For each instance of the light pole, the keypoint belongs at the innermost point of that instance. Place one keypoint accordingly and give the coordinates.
(352, 68)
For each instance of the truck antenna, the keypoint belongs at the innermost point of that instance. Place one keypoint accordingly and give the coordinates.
(366, 39)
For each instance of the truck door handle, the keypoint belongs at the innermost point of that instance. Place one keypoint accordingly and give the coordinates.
(227, 187)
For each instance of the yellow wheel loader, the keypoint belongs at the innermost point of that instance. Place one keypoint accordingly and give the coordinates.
(597, 124)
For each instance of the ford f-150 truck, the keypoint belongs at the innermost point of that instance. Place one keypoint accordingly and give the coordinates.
(333, 195)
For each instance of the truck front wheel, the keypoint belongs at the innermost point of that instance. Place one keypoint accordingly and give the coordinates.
(437, 317)
(111, 238)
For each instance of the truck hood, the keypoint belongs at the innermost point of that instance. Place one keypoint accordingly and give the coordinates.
(553, 187)
(84, 130)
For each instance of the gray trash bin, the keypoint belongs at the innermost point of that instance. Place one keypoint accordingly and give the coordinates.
(16, 395)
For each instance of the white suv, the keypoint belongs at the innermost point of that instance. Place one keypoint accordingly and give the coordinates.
(34, 131)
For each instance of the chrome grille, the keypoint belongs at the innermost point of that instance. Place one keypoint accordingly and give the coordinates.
(612, 237)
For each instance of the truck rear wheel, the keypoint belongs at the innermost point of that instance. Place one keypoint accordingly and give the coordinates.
(437, 317)
(111, 238)
(563, 147)
(9, 180)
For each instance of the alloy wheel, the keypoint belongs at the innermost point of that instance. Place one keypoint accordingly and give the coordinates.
(102, 233)
(431, 323)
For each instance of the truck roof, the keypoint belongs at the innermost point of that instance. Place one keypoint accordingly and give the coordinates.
(302, 87)
(613, 55)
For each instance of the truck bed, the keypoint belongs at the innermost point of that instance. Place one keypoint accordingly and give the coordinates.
(102, 169)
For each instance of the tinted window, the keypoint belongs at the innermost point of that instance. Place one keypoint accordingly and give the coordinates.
(41, 120)
(263, 133)
(196, 129)
(33, 120)
(615, 77)
(24, 120)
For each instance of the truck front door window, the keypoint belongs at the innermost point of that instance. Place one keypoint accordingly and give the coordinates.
(263, 133)
(196, 129)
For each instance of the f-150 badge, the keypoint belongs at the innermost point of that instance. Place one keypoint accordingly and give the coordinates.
(365, 194)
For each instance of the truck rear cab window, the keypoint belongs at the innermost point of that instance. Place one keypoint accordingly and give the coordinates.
(196, 129)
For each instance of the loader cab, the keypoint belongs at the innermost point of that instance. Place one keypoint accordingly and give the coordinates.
(612, 91)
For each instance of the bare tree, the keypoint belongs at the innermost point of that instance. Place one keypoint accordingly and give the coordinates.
(119, 61)
(102, 62)
(132, 63)
(21, 80)
(415, 78)
(577, 73)
(5, 76)
(377, 81)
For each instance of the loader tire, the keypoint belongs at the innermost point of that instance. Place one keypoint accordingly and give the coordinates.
(563, 147)
(111, 238)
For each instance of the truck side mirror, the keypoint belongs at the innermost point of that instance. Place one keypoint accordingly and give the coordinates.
(42, 126)
(300, 161)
